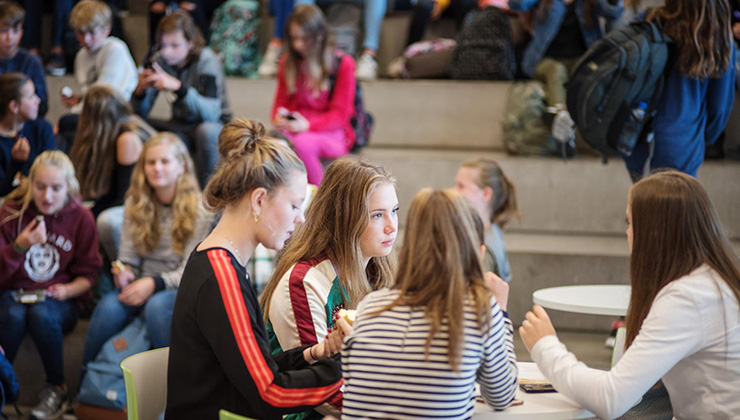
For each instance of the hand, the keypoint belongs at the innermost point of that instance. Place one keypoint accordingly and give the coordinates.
(21, 149)
(280, 121)
(187, 6)
(499, 289)
(160, 79)
(122, 278)
(157, 7)
(144, 83)
(299, 124)
(136, 293)
(70, 101)
(536, 325)
(736, 30)
(568, 1)
(58, 291)
(332, 343)
(436, 11)
(34, 233)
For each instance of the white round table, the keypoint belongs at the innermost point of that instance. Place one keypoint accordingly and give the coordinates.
(600, 299)
(544, 406)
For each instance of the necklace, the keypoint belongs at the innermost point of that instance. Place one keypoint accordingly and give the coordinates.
(238, 254)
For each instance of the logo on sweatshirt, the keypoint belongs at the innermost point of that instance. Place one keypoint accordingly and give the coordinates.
(42, 262)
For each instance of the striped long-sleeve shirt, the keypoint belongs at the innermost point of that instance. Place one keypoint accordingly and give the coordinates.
(388, 377)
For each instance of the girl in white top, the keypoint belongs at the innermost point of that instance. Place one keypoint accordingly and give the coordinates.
(683, 323)
(418, 349)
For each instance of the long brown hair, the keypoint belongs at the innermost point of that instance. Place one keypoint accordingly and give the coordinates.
(11, 85)
(142, 205)
(319, 60)
(440, 268)
(504, 204)
(335, 220)
(105, 116)
(181, 20)
(675, 229)
(702, 32)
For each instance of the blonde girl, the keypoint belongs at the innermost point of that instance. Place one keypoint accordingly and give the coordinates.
(164, 220)
(492, 194)
(219, 341)
(48, 247)
(439, 322)
(683, 321)
(336, 257)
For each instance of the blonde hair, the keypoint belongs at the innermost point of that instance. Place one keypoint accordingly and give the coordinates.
(335, 221)
(439, 267)
(105, 116)
(143, 207)
(22, 196)
(248, 160)
(319, 62)
(88, 15)
(675, 229)
(504, 204)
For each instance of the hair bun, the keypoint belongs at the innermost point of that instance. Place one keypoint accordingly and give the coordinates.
(239, 138)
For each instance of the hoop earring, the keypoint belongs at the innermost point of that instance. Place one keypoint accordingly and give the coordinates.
(256, 217)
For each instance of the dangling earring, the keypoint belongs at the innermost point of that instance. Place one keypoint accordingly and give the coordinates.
(256, 217)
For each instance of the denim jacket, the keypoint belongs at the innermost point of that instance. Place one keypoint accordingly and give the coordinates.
(545, 30)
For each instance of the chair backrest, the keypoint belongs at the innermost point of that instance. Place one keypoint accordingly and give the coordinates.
(227, 415)
(619, 342)
(145, 375)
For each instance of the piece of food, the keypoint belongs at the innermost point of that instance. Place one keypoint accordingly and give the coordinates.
(39, 218)
(349, 315)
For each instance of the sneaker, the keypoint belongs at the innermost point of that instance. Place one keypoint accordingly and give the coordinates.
(55, 65)
(269, 66)
(563, 126)
(367, 68)
(52, 405)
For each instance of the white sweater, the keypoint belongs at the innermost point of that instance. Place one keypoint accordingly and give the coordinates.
(690, 339)
(111, 65)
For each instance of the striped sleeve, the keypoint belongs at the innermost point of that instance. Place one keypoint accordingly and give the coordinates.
(297, 388)
(498, 373)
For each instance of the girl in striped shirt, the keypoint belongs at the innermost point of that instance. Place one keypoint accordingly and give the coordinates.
(418, 349)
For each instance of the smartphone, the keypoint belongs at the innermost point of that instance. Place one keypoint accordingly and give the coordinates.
(290, 117)
(537, 388)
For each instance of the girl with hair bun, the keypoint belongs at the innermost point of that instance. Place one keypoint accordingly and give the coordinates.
(492, 194)
(219, 340)
(163, 221)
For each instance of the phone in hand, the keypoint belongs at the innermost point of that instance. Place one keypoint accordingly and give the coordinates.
(290, 117)
(537, 388)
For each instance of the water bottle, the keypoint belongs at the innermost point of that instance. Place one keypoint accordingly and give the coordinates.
(632, 130)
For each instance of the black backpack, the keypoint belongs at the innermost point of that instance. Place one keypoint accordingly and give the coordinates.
(616, 85)
(484, 48)
(362, 121)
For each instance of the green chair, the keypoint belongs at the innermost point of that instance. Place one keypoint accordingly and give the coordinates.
(145, 375)
(227, 415)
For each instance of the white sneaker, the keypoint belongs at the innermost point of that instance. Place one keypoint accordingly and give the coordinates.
(563, 126)
(367, 68)
(269, 66)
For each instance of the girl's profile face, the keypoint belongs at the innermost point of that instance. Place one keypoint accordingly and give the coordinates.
(29, 102)
(282, 211)
(174, 48)
(161, 167)
(49, 188)
(465, 184)
(300, 42)
(380, 234)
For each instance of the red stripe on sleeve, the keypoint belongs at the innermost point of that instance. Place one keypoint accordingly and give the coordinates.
(253, 359)
(299, 301)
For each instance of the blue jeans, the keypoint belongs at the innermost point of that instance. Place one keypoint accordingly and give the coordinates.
(32, 22)
(281, 10)
(46, 321)
(373, 19)
(111, 316)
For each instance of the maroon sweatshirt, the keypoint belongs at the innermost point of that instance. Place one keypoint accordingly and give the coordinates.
(70, 251)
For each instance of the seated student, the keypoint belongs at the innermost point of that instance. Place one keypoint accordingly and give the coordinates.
(335, 257)
(193, 76)
(313, 111)
(440, 320)
(102, 60)
(218, 340)
(47, 245)
(425, 11)
(562, 30)
(492, 194)
(105, 149)
(164, 219)
(15, 59)
(683, 322)
(23, 136)
(55, 62)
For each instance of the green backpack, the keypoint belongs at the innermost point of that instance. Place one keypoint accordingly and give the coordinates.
(525, 131)
(234, 36)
